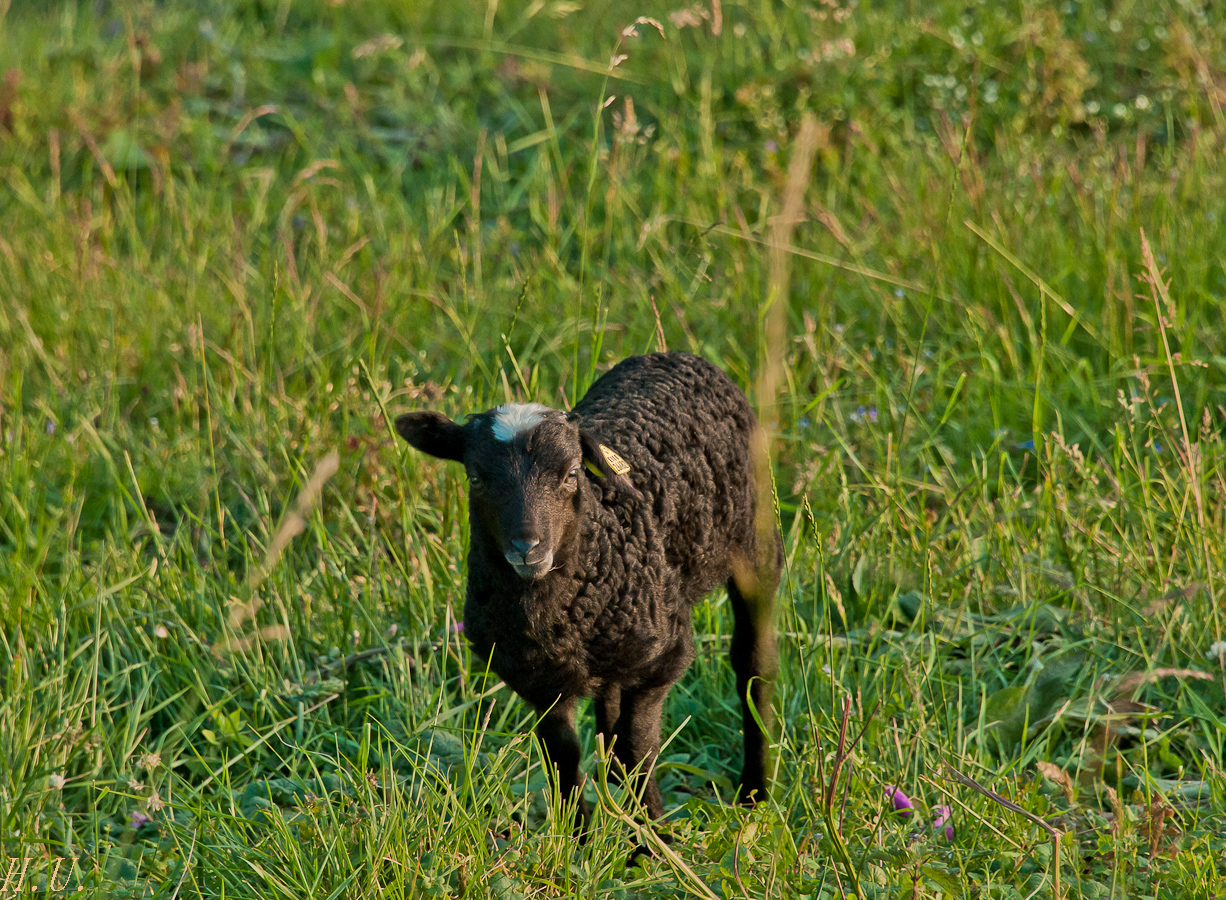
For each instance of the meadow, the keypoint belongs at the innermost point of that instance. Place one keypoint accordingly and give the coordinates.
(966, 258)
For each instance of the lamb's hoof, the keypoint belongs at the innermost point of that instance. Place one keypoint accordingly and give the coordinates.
(750, 794)
(639, 856)
(644, 852)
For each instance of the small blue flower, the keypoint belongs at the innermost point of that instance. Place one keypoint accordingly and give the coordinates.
(1026, 445)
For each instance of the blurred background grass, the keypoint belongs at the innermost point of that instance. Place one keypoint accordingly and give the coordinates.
(238, 235)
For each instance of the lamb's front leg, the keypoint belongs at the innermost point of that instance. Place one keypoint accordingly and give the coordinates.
(556, 731)
(608, 705)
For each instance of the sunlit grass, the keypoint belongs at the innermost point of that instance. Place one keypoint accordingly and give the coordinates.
(239, 237)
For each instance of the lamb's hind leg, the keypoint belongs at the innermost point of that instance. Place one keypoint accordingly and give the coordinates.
(755, 663)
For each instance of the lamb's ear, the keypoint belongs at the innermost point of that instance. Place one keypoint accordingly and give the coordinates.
(606, 463)
(433, 433)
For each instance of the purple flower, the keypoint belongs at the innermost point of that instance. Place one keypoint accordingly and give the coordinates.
(944, 822)
(902, 803)
(137, 818)
(457, 627)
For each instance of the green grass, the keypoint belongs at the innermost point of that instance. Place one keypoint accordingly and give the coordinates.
(238, 236)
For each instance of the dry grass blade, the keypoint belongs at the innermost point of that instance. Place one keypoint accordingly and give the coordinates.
(770, 377)
(1165, 311)
(1133, 680)
(1154, 826)
(295, 522)
(839, 757)
(825, 259)
(1054, 833)
(974, 785)
(1033, 276)
(1054, 773)
(292, 526)
(266, 110)
(346, 662)
(1118, 812)
(645, 833)
(107, 172)
(1184, 593)
(770, 374)
(1190, 453)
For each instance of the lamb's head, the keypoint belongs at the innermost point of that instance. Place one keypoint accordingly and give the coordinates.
(525, 465)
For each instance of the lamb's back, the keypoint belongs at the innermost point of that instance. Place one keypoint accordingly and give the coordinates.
(684, 427)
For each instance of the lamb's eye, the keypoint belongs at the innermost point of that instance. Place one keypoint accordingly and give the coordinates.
(474, 480)
(572, 477)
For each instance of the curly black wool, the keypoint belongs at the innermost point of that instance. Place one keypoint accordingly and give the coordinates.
(581, 582)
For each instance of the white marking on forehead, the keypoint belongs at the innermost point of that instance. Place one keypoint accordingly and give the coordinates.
(511, 419)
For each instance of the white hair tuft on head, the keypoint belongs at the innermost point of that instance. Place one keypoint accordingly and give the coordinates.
(511, 419)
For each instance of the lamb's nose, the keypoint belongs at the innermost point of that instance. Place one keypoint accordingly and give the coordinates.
(523, 545)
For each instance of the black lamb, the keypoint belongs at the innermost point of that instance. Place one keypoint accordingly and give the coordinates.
(592, 535)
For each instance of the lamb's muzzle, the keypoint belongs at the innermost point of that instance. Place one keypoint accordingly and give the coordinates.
(526, 560)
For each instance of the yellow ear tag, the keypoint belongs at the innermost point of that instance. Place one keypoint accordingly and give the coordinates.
(616, 463)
